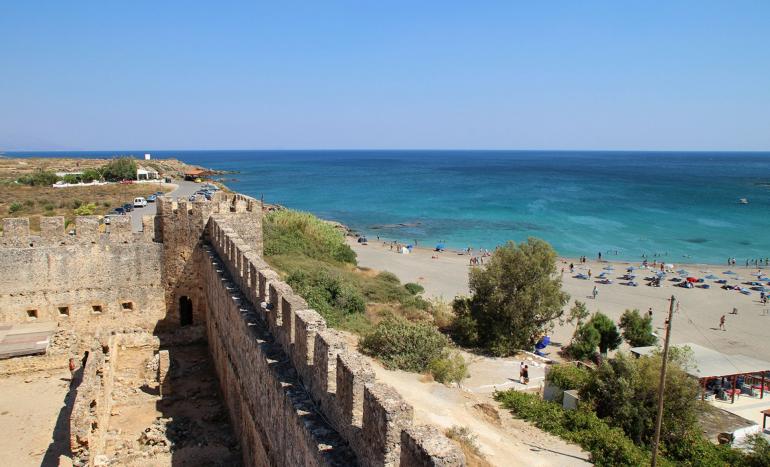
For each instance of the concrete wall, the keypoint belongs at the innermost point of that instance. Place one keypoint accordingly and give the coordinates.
(60, 277)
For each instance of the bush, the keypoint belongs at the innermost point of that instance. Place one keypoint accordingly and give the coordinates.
(449, 368)
(567, 376)
(608, 446)
(414, 288)
(122, 168)
(326, 291)
(288, 232)
(609, 337)
(39, 178)
(86, 210)
(404, 345)
(464, 328)
(585, 342)
(15, 207)
(637, 330)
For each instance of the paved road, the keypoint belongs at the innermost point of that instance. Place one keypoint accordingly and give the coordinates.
(184, 190)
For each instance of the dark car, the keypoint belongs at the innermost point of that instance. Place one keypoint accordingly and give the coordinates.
(151, 198)
(120, 211)
(128, 207)
(159, 193)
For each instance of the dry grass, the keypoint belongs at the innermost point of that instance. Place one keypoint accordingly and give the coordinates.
(47, 201)
(467, 442)
(12, 168)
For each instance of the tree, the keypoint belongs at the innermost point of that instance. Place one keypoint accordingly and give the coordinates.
(516, 296)
(584, 342)
(577, 314)
(122, 168)
(637, 330)
(624, 390)
(608, 332)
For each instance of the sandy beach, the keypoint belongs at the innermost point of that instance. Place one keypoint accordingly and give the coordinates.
(445, 275)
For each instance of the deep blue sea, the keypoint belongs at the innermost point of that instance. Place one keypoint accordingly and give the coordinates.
(683, 206)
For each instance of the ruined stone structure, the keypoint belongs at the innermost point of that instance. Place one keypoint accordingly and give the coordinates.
(296, 393)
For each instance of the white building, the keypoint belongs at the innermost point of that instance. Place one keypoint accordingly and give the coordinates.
(146, 173)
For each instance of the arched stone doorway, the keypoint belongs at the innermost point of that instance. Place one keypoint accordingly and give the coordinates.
(185, 311)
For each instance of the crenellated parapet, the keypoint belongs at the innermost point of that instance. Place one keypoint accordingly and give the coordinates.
(372, 418)
(85, 230)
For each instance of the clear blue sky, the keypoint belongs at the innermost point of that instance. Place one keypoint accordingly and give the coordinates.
(388, 74)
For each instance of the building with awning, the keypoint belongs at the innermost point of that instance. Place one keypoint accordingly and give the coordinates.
(146, 173)
(709, 365)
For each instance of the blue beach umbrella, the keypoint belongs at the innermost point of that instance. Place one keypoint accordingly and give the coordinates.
(440, 247)
(630, 268)
(729, 272)
(711, 276)
(682, 271)
(609, 268)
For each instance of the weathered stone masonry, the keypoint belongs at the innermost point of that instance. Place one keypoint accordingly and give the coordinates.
(296, 393)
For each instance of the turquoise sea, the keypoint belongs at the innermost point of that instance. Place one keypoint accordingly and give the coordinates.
(683, 206)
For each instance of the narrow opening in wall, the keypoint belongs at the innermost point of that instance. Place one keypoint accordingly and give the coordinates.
(96, 309)
(64, 311)
(31, 314)
(127, 306)
(185, 311)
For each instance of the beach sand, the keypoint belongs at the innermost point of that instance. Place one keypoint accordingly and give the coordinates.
(697, 320)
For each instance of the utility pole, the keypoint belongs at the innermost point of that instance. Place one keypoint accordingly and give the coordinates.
(662, 385)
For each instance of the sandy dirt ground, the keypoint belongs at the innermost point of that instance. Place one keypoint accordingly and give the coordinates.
(34, 418)
(696, 321)
(515, 442)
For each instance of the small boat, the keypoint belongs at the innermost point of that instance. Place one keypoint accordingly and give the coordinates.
(743, 201)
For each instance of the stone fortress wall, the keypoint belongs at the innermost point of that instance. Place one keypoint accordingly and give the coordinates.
(83, 281)
(296, 392)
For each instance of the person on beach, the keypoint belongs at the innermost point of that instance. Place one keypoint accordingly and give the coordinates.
(525, 375)
(722, 323)
(600, 256)
(595, 292)
(735, 311)
(521, 372)
(571, 268)
(649, 312)
(589, 274)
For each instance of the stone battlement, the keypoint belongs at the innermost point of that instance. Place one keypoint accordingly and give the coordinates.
(16, 232)
(371, 418)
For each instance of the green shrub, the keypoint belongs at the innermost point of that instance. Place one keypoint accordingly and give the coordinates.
(567, 376)
(414, 288)
(122, 168)
(585, 342)
(637, 330)
(29, 203)
(76, 203)
(69, 178)
(15, 207)
(39, 178)
(464, 329)
(86, 209)
(326, 291)
(608, 446)
(288, 232)
(449, 368)
(386, 276)
(404, 345)
(48, 206)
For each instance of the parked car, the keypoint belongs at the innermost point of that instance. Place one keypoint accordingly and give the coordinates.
(128, 207)
(118, 211)
(151, 198)
(140, 202)
(108, 217)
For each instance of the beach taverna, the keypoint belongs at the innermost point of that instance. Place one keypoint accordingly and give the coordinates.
(709, 365)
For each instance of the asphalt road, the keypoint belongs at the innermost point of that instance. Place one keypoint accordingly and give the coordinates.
(184, 190)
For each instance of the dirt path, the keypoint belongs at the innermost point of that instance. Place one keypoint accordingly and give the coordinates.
(30, 408)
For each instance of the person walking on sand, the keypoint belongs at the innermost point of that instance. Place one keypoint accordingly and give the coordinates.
(735, 311)
(589, 274)
(521, 372)
(649, 312)
(722, 323)
(595, 292)
(525, 375)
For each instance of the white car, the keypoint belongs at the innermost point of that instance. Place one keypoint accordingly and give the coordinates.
(140, 202)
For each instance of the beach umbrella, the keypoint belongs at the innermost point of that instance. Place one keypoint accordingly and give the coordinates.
(440, 247)
(711, 276)
(609, 268)
(729, 272)
(630, 268)
(660, 273)
(669, 266)
(692, 279)
(682, 271)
